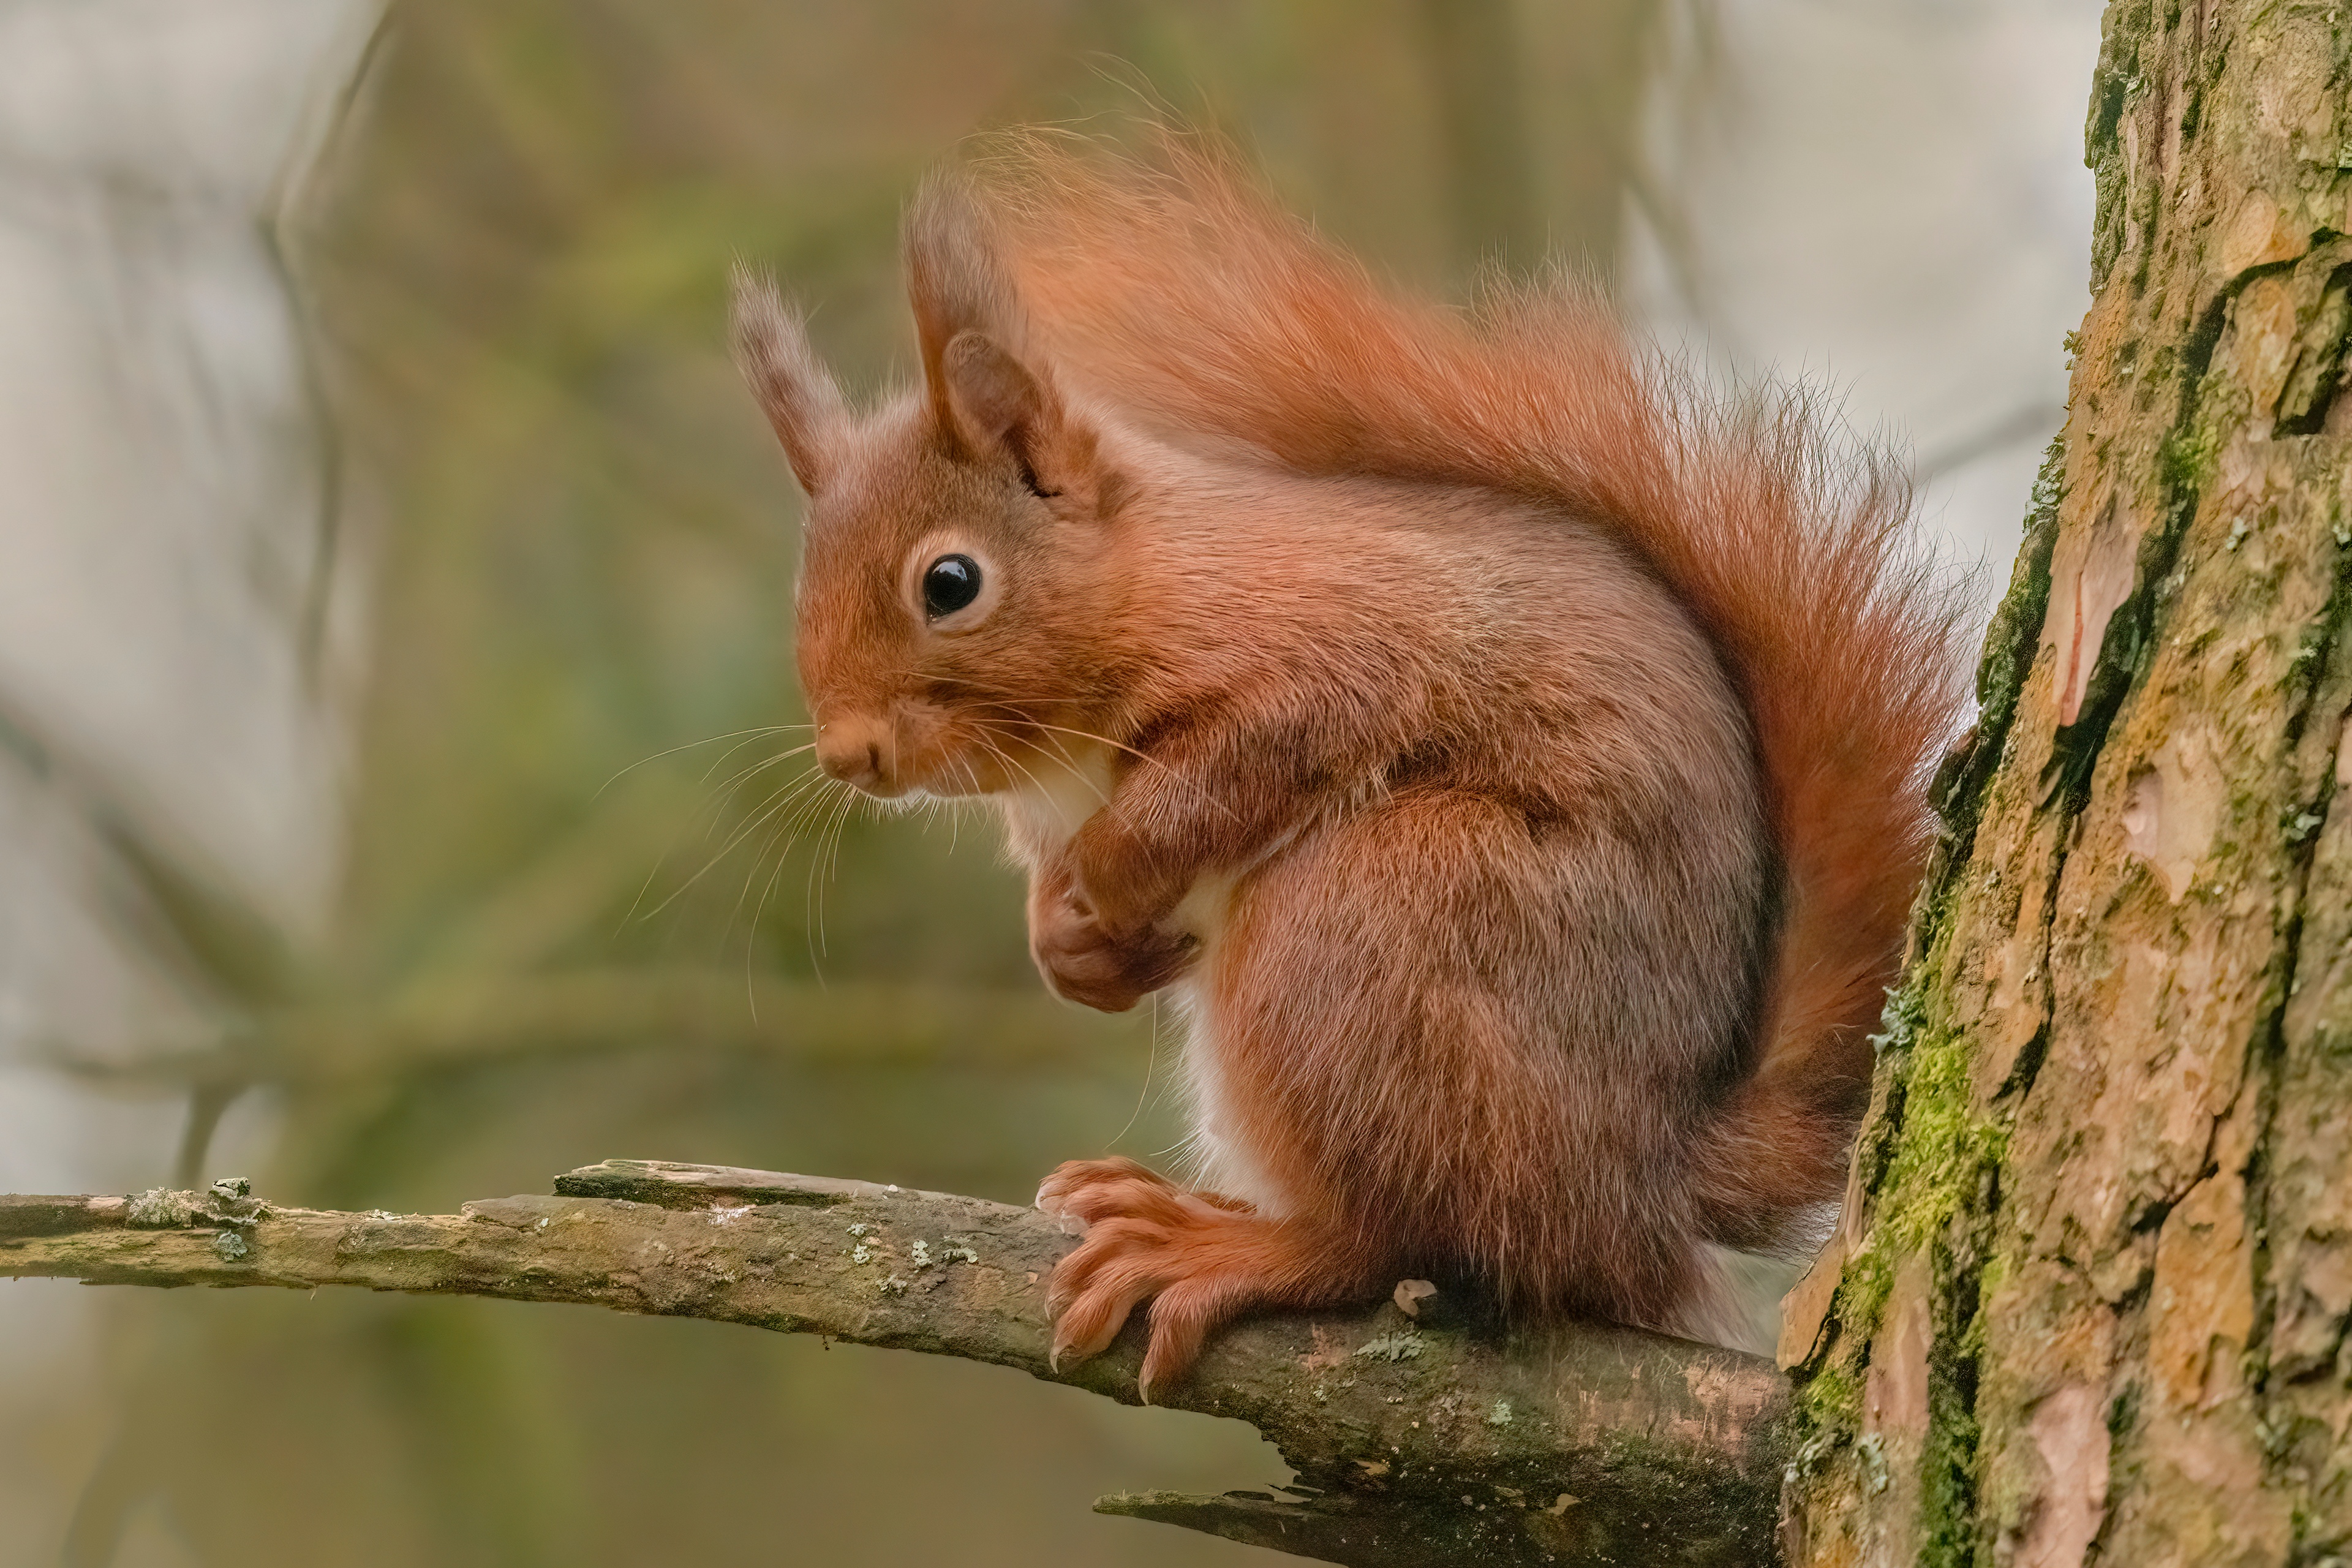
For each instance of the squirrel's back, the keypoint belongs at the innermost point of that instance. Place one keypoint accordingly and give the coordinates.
(1175, 291)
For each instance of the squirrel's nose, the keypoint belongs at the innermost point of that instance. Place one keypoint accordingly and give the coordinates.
(851, 751)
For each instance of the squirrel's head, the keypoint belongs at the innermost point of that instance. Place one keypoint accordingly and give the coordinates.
(950, 536)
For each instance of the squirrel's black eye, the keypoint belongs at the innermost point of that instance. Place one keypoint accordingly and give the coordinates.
(948, 584)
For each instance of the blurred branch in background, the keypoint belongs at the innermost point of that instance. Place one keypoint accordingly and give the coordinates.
(283, 211)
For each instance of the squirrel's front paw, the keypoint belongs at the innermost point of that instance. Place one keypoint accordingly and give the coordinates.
(1084, 962)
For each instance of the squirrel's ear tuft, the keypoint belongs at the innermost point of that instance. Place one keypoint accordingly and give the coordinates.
(955, 281)
(989, 398)
(795, 391)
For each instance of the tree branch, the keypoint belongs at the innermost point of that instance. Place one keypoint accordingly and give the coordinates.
(1415, 1442)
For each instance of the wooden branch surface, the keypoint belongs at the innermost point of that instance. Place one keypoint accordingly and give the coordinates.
(1414, 1443)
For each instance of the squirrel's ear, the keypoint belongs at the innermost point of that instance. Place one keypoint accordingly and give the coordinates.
(991, 396)
(999, 407)
(794, 389)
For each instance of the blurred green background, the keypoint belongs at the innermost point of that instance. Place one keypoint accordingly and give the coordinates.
(530, 580)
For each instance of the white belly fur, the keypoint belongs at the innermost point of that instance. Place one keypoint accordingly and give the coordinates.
(1223, 1160)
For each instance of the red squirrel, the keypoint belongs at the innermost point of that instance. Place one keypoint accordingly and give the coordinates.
(1511, 761)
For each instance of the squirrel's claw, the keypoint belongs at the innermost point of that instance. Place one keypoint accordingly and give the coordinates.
(1089, 1190)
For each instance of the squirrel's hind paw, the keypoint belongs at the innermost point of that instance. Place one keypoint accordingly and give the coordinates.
(1199, 1258)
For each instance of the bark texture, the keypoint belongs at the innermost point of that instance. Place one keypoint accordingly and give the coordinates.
(1415, 1442)
(2090, 1297)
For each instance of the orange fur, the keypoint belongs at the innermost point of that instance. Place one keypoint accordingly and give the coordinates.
(1512, 761)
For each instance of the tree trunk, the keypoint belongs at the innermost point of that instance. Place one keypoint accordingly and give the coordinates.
(2091, 1297)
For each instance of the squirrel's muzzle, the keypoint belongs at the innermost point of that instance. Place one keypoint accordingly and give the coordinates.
(857, 751)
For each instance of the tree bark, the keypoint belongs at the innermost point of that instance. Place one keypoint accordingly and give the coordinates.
(1416, 1441)
(2090, 1296)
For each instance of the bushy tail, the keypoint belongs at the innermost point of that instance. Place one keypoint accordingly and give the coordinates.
(1176, 290)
